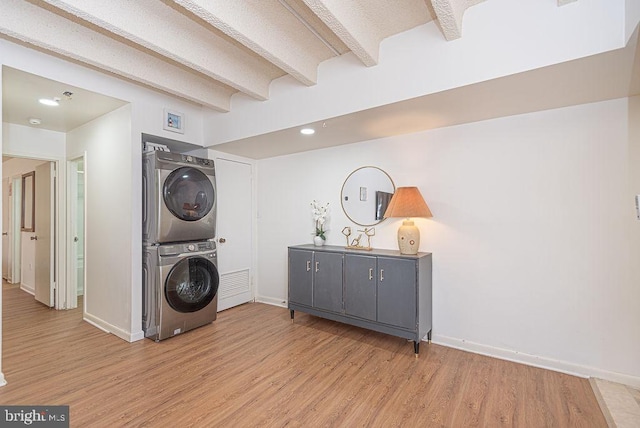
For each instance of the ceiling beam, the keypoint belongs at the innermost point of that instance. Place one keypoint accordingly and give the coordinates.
(350, 26)
(39, 27)
(176, 37)
(450, 13)
(257, 30)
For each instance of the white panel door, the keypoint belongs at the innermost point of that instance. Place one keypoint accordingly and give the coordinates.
(44, 233)
(233, 182)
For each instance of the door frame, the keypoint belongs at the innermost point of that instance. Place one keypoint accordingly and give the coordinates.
(71, 265)
(14, 251)
(6, 229)
(60, 229)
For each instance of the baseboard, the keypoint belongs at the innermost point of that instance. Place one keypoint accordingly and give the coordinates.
(271, 301)
(134, 337)
(109, 328)
(536, 360)
(3, 382)
(28, 289)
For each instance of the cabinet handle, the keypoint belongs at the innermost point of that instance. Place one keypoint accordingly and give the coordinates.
(308, 265)
(381, 274)
(370, 274)
(317, 266)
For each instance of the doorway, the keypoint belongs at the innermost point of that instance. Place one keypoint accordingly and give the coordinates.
(29, 226)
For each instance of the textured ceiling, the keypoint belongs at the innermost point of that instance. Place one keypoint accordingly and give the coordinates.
(205, 51)
(21, 89)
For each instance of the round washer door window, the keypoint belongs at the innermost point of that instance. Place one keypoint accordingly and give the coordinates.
(188, 193)
(191, 284)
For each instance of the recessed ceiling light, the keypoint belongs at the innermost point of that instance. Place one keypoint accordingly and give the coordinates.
(48, 102)
(35, 121)
(307, 131)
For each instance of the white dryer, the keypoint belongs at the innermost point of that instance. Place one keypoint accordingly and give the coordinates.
(179, 198)
(180, 288)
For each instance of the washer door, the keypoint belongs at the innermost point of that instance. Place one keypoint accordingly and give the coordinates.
(188, 193)
(192, 284)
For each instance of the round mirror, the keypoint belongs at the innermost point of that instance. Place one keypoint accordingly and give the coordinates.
(365, 195)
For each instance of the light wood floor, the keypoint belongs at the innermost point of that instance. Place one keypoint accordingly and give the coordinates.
(253, 367)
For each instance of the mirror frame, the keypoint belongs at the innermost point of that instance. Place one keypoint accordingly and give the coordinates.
(28, 203)
(342, 194)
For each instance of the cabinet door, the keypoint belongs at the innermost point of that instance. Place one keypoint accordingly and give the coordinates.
(300, 277)
(327, 281)
(360, 286)
(397, 280)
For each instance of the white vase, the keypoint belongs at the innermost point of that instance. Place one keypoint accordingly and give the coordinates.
(318, 241)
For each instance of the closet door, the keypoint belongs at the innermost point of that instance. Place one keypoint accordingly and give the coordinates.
(234, 231)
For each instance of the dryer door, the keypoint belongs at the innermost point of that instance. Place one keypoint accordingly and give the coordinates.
(188, 194)
(191, 284)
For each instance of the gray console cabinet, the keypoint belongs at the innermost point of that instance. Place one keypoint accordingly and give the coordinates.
(381, 290)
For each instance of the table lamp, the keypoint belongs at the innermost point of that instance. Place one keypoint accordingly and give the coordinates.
(408, 202)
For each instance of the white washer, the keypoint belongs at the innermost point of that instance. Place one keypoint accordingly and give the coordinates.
(179, 195)
(180, 288)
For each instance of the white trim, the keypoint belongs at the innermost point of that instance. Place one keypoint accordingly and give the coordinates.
(536, 360)
(109, 328)
(28, 289)
(3, 382)
(71, 289)
(15, 249)
(97, 322)
(271, 301)
(134, 337)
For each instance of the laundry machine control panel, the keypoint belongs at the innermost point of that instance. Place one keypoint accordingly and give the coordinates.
(189, 247)
(197, 160)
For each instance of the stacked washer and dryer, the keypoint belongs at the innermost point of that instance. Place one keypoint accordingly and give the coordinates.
(180, 274)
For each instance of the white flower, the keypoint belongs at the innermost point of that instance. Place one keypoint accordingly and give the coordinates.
(319, 213)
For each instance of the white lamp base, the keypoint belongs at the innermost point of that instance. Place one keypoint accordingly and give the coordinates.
(408, 238)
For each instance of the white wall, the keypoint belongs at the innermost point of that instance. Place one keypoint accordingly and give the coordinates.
(632, 17)
(19, 166)
(25, 141)
(109, 258)
(532, 234)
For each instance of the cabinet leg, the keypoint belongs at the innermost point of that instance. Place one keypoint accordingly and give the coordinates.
(429, 337)
(291, 314)
(416, 347)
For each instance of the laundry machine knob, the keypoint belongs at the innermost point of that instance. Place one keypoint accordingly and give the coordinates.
(191, 247)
